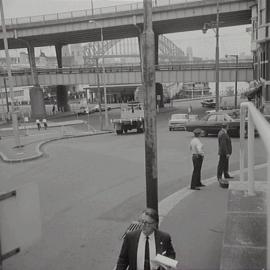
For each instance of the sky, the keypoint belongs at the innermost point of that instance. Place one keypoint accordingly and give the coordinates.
(233, 40)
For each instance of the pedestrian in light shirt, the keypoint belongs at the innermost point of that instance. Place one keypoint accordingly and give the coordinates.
(196, 148)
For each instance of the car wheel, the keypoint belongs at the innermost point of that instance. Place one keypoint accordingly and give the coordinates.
(119, 132)
(170, 129)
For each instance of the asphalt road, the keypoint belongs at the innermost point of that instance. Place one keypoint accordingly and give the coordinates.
(91, 188)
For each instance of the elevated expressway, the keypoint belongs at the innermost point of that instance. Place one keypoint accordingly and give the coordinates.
(123, 75)
(169, 16)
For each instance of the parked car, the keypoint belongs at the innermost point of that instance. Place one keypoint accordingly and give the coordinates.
(210, 103)
(83, 110)
(212, 123)
(96, 108)
(193, 117)
(178, 121)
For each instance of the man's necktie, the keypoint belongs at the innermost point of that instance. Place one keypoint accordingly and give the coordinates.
(147, 256)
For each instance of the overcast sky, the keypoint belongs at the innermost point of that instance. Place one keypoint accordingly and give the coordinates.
(233, 40)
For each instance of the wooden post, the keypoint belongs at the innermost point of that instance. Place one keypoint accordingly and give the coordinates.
(148, 51)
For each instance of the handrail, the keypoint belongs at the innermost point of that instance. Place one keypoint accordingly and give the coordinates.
(256, 119)
(128, 68)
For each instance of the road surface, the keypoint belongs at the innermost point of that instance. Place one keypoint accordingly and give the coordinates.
(92, 188)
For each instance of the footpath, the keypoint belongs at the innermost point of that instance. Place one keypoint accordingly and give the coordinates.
(32, 139)
(196, 220)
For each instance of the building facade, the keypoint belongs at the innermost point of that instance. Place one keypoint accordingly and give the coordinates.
(260, 45)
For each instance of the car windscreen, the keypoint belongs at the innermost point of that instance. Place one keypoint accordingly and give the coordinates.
(193, 117)
(179, 116)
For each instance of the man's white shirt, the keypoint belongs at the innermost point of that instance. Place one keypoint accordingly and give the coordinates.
(141, 250)
(196, 147)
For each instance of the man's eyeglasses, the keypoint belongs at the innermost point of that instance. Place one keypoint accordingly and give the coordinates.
(144, 222)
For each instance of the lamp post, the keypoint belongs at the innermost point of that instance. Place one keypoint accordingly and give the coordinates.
(236, 77)
(215, 27)
(5, 85)
(103, 74)
(92, 7)
(10, 80)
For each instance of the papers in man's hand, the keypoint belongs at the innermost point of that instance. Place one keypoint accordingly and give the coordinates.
(165, 262)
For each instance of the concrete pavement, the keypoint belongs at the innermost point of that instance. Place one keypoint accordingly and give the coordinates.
(196, 221)
(32, 139)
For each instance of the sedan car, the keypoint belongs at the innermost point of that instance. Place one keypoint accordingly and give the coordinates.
(178, 121)
(210, 103)
(212, 123)
(96, 108)
(83, 110)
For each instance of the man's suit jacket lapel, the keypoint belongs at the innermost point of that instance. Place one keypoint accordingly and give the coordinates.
(135, 249)
(159, 243)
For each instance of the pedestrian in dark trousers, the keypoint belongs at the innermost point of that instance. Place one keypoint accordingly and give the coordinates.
(44, 121)
(196, 148)
(53, 109)
(224, 151)
(38, 124)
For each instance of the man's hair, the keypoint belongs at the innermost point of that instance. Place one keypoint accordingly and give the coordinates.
(152, 213)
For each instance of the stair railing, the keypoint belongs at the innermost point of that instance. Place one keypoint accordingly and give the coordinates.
(255, 120)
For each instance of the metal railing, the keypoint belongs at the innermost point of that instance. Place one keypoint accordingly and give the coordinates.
(95, 11)
(255, 119)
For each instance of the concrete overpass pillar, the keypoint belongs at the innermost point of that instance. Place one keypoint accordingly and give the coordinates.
(36, 92)
(140, 38)
(61, 91)
(156, 49)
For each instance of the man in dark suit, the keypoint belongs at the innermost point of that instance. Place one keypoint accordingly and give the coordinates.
(141, 246)
(224, 151)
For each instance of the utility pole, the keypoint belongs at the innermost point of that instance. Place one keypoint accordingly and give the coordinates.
(150, 108)
(92, 7)
(215, 27)
(106, 124)
(5, 85)
(99, 96)
(236, 77)
(10, 80)
(217, 58)
(236, 80)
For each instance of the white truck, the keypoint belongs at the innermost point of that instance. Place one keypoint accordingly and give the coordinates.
(132, 117)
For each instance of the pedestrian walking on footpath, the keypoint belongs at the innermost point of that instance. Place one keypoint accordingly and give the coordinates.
(53, 109)
(224, 152)
(44, 121)
(141, 246)
(196, 148)
(38, 124)
(189, 109)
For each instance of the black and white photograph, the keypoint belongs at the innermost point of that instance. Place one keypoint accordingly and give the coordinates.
(134, 135)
